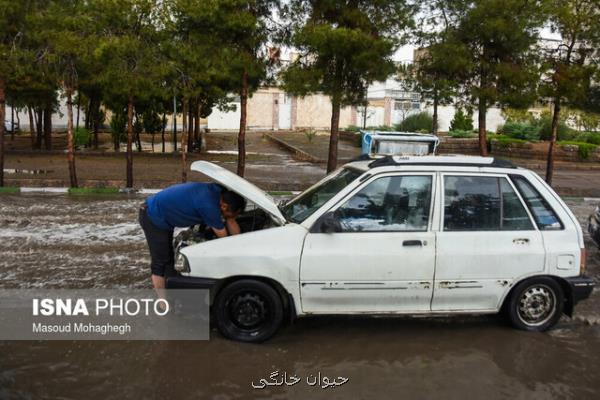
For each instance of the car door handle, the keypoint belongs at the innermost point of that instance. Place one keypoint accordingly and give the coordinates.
(412, 243)
(521, 241)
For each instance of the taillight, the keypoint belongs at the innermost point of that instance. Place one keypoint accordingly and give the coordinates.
(582, 263)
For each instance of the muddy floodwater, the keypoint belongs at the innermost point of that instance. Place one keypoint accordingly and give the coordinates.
(56, 241)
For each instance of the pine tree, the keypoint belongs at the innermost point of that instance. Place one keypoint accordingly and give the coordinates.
(572, 64)
(492, 44)
(343, 47)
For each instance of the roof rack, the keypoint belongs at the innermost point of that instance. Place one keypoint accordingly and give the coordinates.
(466, 161)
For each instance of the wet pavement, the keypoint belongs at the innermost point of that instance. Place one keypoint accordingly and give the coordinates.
(56, 241)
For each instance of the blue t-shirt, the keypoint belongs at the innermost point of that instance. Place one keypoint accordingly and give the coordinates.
(186, 204)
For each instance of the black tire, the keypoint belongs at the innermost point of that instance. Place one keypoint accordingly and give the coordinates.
(536, 304)
(248, 311)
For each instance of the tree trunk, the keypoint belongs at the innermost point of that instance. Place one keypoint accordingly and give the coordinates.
(48, 127)
(2, 114)
(174, 124)
(184, 142)
(242, 133)
(96, 122)
(129, 155)
(88, 119)
(31, 128)
(78, 109)
(12, 122)
(70, 141)
(190, 136)
(333, 137)
(197, 135)
(482, 109)
(39, 125)
(138, 142)
(164, 125)
(553, 137)
(434, 127)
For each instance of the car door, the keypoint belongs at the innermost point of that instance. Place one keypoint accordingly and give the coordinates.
(382, 259)
(487, 242)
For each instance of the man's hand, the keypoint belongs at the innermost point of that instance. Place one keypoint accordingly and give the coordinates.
(232, 228)
(220, 232)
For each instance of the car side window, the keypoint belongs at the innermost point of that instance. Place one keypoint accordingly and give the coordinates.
(545, 216)
(481, 203)
(393, 203)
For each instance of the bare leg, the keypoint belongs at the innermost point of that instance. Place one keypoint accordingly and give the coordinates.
(158, 282)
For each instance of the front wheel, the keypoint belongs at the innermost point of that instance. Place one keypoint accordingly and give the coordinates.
(536, 304)
(248, 310)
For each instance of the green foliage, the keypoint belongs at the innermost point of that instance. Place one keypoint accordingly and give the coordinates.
(460, 133)
(416, 123)
(521, 130)
(353, 128)
(152, 121)
(9, 189)
(118, 126)
(461, 121)
(518, 115)
(343, 48)
(81, 137)
(310, 134)
(383, 128)
(99, 190)
(505, 141)
(594, 138)
(583, 149)
(545, 129)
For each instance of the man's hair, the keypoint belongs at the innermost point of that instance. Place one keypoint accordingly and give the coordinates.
(235, 202)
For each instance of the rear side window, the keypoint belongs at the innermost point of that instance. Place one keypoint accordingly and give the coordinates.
(544, 215)
(481, 203)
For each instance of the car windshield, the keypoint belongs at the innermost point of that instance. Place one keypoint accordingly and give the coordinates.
(301, 207)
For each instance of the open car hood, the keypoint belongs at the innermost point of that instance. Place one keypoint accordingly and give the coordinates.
(241, 186)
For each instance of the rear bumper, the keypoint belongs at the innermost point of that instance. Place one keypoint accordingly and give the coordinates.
(581, 288)
(188, 282)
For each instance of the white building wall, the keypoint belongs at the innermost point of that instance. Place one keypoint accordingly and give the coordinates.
(221, 120)
(446, 114)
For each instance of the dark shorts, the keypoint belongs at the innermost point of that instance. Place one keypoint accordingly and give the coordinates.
(160, 243)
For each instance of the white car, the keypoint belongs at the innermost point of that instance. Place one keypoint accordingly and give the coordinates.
(399, 235)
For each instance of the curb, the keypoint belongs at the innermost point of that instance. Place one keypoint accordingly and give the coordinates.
(296, 152)
(148, 191)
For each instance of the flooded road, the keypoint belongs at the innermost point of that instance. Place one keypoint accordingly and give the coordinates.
(83, 242)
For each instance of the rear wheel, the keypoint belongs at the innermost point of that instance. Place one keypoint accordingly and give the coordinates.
(536, 304)
(248, 310)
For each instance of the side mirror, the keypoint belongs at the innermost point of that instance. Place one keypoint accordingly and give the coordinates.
(330, 224)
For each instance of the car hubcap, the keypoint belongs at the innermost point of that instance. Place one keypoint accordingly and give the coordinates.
(536, 305)
(248, 310)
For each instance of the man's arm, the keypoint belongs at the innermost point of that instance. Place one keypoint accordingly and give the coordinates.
(232, 227)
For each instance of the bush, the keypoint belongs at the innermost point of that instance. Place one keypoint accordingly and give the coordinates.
(588, 137)
(583, 149)
(416, 122)
(461, 121)
(521, 130)
(310, 134)
(505, 141)
(352, 128)
(380, 128)
(458, 133)
(81, 137)
(545, 129)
